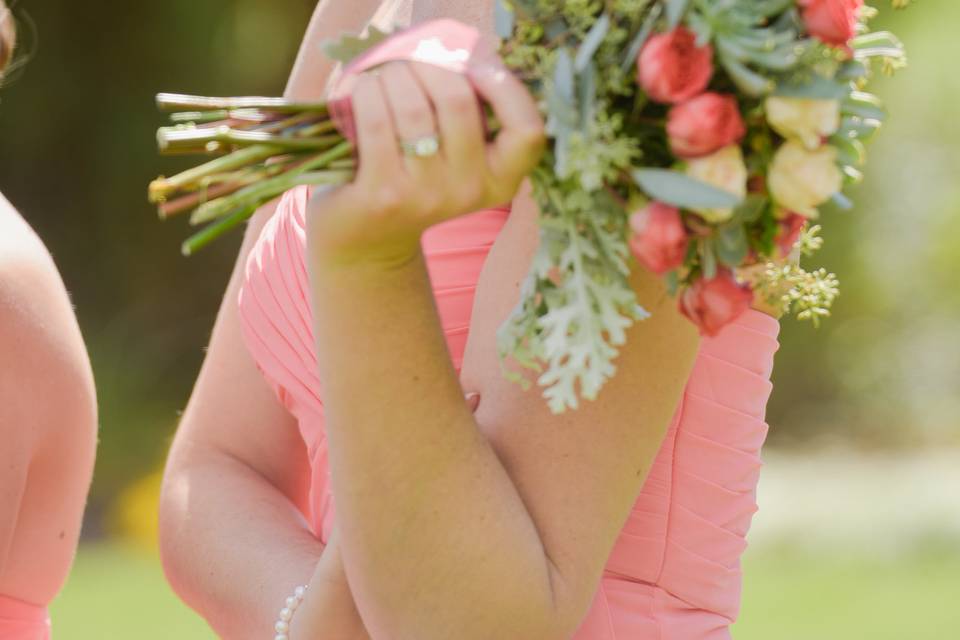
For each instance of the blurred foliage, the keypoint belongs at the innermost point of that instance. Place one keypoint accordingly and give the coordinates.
(885, 370)
(77, 131)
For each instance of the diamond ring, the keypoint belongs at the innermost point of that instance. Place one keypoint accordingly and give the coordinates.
(421, 147)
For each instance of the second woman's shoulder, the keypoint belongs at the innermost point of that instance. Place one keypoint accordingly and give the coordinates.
(43, 351)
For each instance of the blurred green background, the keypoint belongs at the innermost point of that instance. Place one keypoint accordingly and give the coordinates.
(858, 535)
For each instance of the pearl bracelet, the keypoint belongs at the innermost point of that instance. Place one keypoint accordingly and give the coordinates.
(282, 626)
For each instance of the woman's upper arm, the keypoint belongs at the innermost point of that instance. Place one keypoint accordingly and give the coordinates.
(330, 18)
(233, 410)
(48, 407)
(579, 472)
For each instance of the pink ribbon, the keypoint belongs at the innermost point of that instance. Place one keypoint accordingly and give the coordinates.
(443, 42)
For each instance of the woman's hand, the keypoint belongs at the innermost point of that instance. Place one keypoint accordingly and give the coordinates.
(379, 217)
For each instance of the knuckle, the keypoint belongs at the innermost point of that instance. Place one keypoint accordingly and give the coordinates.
(417, 113)
(534, 134)
(432, 204)
(461, 101)
(471, 194)
(378, 125)
(387, 198)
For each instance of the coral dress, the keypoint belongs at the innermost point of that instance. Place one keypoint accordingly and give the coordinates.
(23, 621)
(674, 572)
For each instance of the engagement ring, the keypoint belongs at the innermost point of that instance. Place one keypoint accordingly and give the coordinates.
(421, 147)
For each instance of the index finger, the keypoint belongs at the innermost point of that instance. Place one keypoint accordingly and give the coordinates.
(518, 145)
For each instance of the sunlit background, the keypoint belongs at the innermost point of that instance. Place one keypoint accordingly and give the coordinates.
(858, 535)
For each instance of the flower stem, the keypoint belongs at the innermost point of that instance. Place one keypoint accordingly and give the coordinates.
(181, 102)
(213, 231)
(265, 190)
(161, 188)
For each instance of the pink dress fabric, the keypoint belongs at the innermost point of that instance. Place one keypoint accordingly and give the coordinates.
(23, 621)
(674, 572)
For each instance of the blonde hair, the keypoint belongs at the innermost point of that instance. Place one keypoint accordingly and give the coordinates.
(8, 36)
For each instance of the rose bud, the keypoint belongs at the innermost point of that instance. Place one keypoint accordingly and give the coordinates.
(672, 68)
(831, 21)
(704, 124)
(659, 239)
(801, 180)
(789, 232)
(713, 304)
(724, 169)
(808, 120)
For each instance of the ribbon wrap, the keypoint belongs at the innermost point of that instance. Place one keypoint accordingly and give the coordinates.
(443, 42)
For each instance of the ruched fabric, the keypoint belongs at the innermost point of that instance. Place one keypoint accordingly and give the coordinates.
(21, 620)
(674, 572)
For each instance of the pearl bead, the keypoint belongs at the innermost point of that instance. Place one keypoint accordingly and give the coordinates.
(299, 591)
(291, 601)
(281, 627)
(285, 614)
(281, 636)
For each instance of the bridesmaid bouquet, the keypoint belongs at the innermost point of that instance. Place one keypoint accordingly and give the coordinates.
(700, 136)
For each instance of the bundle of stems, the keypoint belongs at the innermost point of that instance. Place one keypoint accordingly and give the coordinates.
(260, 147)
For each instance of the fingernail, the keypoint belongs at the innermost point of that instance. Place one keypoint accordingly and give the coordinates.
(487, 70)
(473, 400)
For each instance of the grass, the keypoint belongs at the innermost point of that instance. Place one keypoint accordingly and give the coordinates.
(120, 592)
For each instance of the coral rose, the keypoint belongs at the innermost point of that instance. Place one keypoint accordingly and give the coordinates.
(659, 239)
(831, 21)
(715, 303)
(671, 67)
(704, 124)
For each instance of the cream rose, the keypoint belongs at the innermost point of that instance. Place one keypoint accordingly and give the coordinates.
(801, 180)
(806, 119)
(725, 170)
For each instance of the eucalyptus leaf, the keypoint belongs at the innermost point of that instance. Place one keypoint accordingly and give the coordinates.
(750, 82)
(708, 260)
(864, 105)
(680, 190)
(591, 42)
(563, 74)
(770, 8)
(675, 11)
(503, 19)
(588, 95)
(850, 151)
(750, 209)
(731, 245)
(630, 58)
(841, 201)
(815, 86)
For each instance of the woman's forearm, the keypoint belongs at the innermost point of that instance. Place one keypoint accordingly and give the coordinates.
(437, 542)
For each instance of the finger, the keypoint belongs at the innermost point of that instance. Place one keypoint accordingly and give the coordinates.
(379, 157)
(521, 140)
(458, 114)
(413, 115)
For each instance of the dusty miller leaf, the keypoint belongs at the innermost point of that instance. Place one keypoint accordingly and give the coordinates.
(347, 46)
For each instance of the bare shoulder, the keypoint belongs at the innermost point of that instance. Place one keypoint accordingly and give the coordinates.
(45, 368)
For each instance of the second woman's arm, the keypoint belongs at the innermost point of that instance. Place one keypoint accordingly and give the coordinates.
(233, 541)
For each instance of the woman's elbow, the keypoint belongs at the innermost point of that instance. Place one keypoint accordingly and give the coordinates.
(173, 538)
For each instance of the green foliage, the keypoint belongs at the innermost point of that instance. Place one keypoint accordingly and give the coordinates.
(348, 46)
